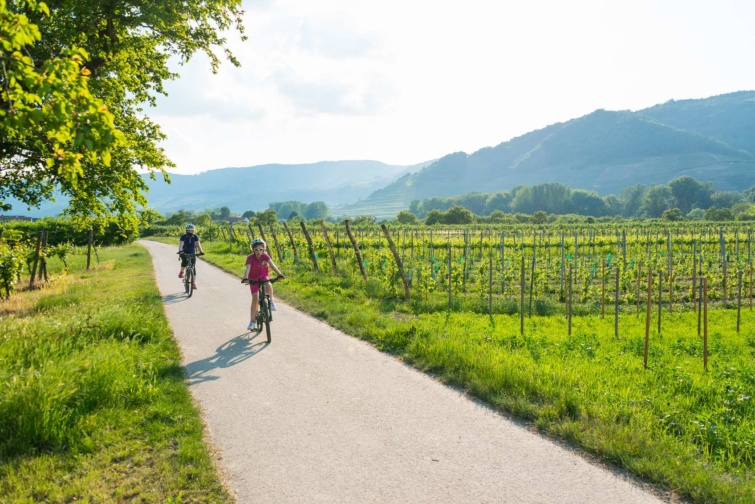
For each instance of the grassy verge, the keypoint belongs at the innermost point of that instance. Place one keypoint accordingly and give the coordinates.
(687, 430)
(93, 405)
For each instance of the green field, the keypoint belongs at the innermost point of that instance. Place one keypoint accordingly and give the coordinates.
(93, 403)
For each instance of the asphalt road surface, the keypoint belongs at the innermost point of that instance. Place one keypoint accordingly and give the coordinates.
(320, 416)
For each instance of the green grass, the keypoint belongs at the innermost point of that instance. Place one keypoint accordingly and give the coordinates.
(687, 430)
(93, 403)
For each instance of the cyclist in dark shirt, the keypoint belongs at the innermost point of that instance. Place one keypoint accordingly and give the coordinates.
(188, 244)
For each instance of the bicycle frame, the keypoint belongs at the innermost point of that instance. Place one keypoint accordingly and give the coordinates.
(191, 273)
(264, 314)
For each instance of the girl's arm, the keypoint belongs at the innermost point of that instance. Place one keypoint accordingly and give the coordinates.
(275, 268)
(246, 271)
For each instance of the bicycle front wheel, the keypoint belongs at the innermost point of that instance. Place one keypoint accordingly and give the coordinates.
(189, 282)
(265, 310)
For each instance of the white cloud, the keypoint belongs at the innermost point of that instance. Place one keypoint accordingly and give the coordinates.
(403, 82)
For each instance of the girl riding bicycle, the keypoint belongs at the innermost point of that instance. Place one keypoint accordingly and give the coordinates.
(258, 265)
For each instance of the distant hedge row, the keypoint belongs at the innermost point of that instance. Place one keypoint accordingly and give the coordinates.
(66, 231)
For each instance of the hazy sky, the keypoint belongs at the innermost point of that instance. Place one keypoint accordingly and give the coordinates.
(405, 81)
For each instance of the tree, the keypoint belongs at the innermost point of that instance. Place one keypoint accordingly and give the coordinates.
(72, 95)
(248, 214)
(203, 220)
(405, 217)
(684, 190)
(719, 214)
(225, 213)
(475, 202)
(458, 215)
(656, 200)
(725, 199)
(539, 217)
(587, 203)
(414, 207)
(631, 199)
(673, 214)
(500, 201)
(267, 218)
(51, 122)
(434, 216)
(316, 210)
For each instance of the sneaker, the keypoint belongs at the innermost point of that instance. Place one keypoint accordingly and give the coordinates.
(180, 274)
(272, 306)
(252, 326)
(194, 286)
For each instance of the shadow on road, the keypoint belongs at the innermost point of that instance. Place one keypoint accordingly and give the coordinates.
(230, 353)
(175, 298)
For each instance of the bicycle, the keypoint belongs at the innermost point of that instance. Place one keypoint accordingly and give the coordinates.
(190, 276)
(264, 314)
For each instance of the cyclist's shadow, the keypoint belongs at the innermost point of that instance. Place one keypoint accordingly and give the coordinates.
(230, 353)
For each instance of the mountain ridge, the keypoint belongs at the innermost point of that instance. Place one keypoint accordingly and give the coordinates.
(603, 151)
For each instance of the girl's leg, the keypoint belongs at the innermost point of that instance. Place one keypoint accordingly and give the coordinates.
(269, 287)
(253, 309)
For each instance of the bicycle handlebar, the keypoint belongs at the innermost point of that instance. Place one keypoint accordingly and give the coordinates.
(260, 282)
(187, 253)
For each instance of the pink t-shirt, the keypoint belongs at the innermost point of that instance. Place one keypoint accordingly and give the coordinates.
(259, 267)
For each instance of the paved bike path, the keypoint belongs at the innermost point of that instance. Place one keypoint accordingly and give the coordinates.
(318, 416)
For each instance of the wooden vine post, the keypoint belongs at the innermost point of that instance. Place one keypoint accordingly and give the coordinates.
(398, 260)
(521, 297)
(739, 298)
(603, 289)
(616, 303)
(569, 298)
(36, 259)
(647, 317)
(43, 257)
(700, 305)
(660, 299)
(705, 323)
(354, 244)
(293, 243)
(277, 245)
(450, 299)
(330, 248)
(311, 246)
(90, 239)
(490, 284)
(694, 276)
(262, 235)
(532, 281)
(670, 275)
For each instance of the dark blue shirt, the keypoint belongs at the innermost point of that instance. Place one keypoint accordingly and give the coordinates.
(189, 241)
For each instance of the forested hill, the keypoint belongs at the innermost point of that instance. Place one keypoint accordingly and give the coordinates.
(710, 140)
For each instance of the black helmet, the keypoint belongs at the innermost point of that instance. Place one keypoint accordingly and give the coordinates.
(189, 227)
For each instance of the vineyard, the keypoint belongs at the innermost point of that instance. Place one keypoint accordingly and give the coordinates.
(585, 270)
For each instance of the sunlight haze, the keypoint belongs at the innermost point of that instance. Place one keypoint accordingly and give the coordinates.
(407, 82)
